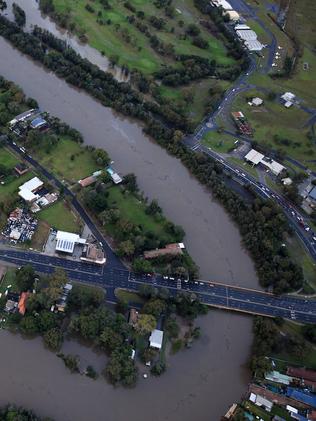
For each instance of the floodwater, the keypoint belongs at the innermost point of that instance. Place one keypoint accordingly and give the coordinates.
(200, 383)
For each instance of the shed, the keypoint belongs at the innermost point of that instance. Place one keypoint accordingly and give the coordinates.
(247, 34)
(253, 45)
(155, 339)
(254, 157)
(257, 101)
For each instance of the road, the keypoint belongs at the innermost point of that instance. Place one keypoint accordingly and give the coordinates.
(209, 292)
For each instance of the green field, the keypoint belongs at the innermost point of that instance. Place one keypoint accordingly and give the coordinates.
(8, 279)
(116, 36)
(60, 217)
(133, 210)
(273, 119)
(219, 142)
(7, 159)
(128, 296)
(10, 189)
(244, 166)
(68, 160)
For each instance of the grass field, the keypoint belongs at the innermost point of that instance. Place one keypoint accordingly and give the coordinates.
(7, 159)
(68, 160)
(219, 142)
(133, 210)
(273, 119)
(128, 296)
(8, 279)
(116, 36)
(10, 189)
(60, 217)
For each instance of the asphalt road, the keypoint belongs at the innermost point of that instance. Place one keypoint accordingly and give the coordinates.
(209, 292)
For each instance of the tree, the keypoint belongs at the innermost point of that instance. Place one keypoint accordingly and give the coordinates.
(110, 340)
(46, 320)
(154, 307)
(126, 248)
(53, 339)
(56, 281)
(25, 277)
(309, 332)
(101, 157)
(153, 208)
(158, 368)
(129, 180)
(146, 323)
(142, 266)
(172, 327)
(83, 296)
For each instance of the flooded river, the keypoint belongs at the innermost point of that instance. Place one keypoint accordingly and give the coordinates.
(201, 382)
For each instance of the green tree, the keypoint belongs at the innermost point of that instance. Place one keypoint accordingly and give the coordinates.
(82, 296)
(155, 307)
(53, 339)
(146, 323)
(25, 278)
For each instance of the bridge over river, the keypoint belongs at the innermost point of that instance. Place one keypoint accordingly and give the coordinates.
(211, 293)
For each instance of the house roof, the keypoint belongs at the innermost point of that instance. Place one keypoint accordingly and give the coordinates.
(254, 156)
(22, 302)
(312, 194)
(87, 181)
(246, 34)
(32, 184)
(38, 122)
(253, 45)
(156, 338)
(27, 195)
(66, 241)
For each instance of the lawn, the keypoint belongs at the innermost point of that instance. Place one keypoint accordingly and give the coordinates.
(8, 279)
(68, 160)
(273, 119)
(219, 142)
(7, 159)
(61, 217)
(40, 236)
(302, 258)
(128, 296)
(10, 189)
(116, 36)
(133, 210)
(308, 359)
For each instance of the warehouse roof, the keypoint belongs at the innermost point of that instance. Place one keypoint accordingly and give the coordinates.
(32, 184)
(247, 34)
(66, 241)
(254, 156)
(156, 338)
(254, 45)
(27, 195)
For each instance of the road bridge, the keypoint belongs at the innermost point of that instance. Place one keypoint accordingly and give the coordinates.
(214, 294)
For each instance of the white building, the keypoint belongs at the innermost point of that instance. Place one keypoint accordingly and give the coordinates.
(28, 189)
(233, 15)
(66, 241)
(254, 157)
(246, 34)
(257, 101)
(254, 45)
(155, 339)
(288, 99)
(222, 3)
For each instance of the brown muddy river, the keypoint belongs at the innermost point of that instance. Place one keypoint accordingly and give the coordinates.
(200, 383)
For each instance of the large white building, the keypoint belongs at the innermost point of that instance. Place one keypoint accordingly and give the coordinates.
(156, 338)
(27, 190)
(222, 3)
(66, 241)
(254, 157)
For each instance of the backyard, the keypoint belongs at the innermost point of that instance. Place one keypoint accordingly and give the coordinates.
(68, 160)
(61, 217)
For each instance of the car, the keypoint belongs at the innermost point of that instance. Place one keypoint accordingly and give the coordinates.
(314, 238)
(307, 229)
(14, 143)
(243, 174)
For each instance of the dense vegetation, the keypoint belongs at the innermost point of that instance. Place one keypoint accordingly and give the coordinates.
(14, 413)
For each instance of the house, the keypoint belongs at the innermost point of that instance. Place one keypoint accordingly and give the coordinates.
(156, 338)
(257, 102)
(170, 249)
(28, 190)
(115, 177)
(276, 377)
(287, 181)
(254, 45)
(62, 300)
(93, 254)
(222, 3)
(22, 302)
(66, 241)
(133, 317)
(87, 181)
(12, 302)
(288, 98)
(233, 15)
(254, 157)
(21, 168)
(312, 194)
(38, 123)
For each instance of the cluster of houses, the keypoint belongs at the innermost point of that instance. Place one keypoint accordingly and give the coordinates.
(281, 396)
(29, 120)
